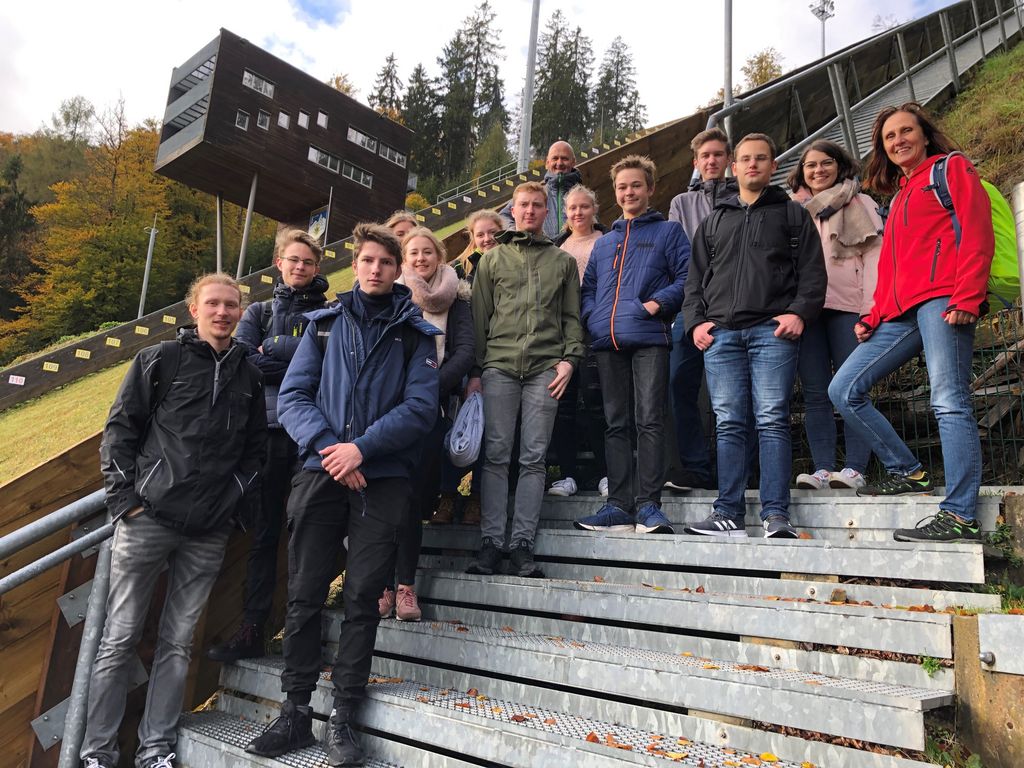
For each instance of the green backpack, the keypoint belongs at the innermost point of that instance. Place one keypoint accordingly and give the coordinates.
(1004, 278)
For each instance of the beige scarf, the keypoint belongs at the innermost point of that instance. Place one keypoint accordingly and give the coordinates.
(852, 232)
(435, 297)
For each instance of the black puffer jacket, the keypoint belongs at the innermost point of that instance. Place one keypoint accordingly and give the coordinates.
(203, 449)
(756, 272)
(282, 335)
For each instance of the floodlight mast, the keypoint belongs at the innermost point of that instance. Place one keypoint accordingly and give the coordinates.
(823, 10)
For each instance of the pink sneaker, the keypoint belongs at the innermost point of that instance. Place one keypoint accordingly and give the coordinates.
(386, 604)
(408, 608)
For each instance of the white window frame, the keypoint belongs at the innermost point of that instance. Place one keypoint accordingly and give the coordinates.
(321, 118)
(263, 120)
(258, 83)
(391, 154)
(303, 119)
(364, 140)
(242, 120)
(324, 159)
(357, 174)
(283, 120)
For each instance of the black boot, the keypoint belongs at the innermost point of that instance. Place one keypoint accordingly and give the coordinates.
(341, 745)
(246, 643)
(292, 729)
(488, 560)
(521, 561)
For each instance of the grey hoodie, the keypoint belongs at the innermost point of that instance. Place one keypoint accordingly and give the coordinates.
(691, 208)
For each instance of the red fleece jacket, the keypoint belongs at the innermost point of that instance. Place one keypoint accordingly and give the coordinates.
(920, 259)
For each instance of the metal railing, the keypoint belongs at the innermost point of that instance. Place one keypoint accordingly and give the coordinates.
(491, 177)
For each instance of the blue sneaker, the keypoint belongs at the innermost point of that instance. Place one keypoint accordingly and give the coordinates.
(608, 518)
(650, 519)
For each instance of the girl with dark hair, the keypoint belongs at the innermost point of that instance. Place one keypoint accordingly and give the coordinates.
(931, 290)
(825, 183)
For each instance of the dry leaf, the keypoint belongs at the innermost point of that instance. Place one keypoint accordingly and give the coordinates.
(424, 688)
(805, 535)
(507, 629)
(462, 629)
(752, 668)
(751, 760)
(530, 714)
(676, 755)
(423, 699)
(599, 579)
(462, 704)
(711, 666)
(517, 719)
(686, 653)
(699, 590)
(472, 692)
(550, 721)
(807, 765)
(682, 741)
(593, 738)
(768, 757)
(496, 710)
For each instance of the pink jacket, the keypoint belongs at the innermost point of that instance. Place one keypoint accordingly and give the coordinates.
(851, 281)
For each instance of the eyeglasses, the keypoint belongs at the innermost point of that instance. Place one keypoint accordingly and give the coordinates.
(824, 164)
(748, 159)
(307, 263)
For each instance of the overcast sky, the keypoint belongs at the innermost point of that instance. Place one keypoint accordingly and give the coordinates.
(51, 50)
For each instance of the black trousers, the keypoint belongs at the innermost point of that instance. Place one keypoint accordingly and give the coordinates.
(425, 486)
(321, 512)
(261, 576)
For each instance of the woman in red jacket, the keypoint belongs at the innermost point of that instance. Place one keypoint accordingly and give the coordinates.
(929, 296)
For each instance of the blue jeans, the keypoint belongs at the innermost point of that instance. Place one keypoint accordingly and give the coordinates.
(948, 350)
(824, 347)
(747, 365)
(140, 549)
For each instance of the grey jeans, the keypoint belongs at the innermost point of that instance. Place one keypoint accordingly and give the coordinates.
(504, 397)
(140, 548)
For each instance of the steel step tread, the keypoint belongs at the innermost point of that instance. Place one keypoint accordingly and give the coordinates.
(753, 586)
(505, 720)
(911, 632)
(955, 563)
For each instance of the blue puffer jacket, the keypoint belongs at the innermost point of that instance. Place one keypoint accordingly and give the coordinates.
(282, 335)
(641, 259)
(371, 397)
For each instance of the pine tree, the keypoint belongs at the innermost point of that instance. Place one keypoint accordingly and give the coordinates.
(420, 111)
(386, 96)
(617, 106)
(561, 105)
(16, 224)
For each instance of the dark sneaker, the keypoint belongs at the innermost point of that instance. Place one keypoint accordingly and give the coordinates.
(521, 561)
(340, 744)
(778, 527)
(160, 761)
(291, 730)
(246, 643)
(487, 560)
(471, 510)
(608, 518)
(718, 525)
(943, 527)
(898, 485)
(445, 512)
(687, 480)
(650, 519)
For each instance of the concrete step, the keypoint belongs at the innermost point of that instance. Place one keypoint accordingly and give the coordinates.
(899, 631)
(879, 712)
(805, 586)
(946, 563)
(485, 725)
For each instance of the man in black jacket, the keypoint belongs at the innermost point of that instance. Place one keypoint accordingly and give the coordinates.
(757, 275)
(272, 331)
(184, 442)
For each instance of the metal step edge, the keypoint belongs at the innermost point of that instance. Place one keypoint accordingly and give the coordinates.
(477, 731)
(820, 662)
(956, 563)
(465, 640)
(743, 585)
(916, 633)
(700, 729)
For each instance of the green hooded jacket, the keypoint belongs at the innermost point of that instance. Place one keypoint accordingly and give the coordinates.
(526, 306)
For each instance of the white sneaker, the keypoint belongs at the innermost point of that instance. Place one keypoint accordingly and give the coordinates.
(564, 487)
(815, 482)
(847, 478)
(602, 486)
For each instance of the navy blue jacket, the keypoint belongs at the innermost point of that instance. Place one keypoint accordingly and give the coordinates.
(370, 397)
(639, 260)
(282, 337)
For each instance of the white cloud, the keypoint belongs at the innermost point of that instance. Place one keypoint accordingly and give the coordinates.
(111, 48)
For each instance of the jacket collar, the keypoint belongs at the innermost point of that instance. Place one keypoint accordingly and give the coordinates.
(515, 237)
(315, 291)
(647, 217)
(563, 181)
(924, 167)
(773, 194)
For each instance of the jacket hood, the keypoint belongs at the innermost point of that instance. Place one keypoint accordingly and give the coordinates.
(315, 291)
(566, 233)
(563, 181)
(522, 238)
(707, 186)
(189, 334)
(647, 217)
(403, 309)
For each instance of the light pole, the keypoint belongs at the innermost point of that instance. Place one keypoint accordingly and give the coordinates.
(824, 10)
(527, 111)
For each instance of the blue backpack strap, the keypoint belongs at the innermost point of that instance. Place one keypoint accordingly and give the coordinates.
(939, 184)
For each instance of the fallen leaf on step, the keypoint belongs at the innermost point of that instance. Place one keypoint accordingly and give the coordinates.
(751, 760)
(462, 629)
(593, 738)
(517, 719)
(752, 668)
(424, 688)
(768, 757)
(805, 535)
(682, 741)
(422, 699)
(550, 721)
(496, 710)
(530, 714)
(686, 653)
(507, 629)
(462, 704)
(599, 579)
(676, 755)
(711, 666)
(807, 765)
(472, 692)
(699, 590)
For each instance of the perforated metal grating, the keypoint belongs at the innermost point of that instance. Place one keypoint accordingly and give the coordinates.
(238, 732)
(552, 644)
